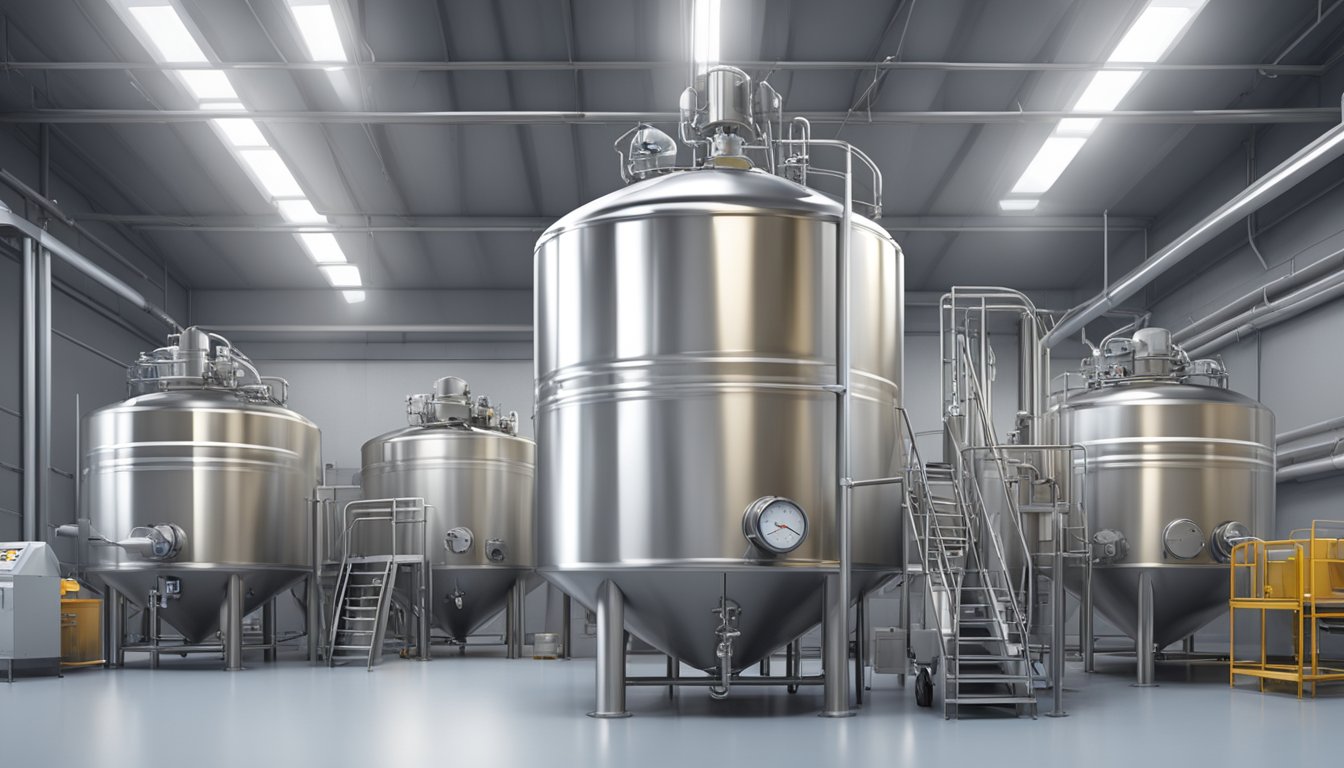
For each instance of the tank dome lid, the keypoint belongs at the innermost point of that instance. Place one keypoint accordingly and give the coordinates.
(706, 190)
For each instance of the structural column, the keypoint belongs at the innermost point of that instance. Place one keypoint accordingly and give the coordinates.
(610, 652)
(36, 447)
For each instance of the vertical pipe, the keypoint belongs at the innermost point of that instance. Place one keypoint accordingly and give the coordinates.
(860, 630)
(233, 624)
(1057, 620)
(1105, 250)
(44, 160)
(30, 400)
(836, 621)
(673, 674)
(510, 623)
(566, 632)
(154, 629)
(1188, 644)
(1085, 619)
(314, 625)
(610, 652)
(268, 630)
(424, 626)
(514, 618)
(115, 608)
(765, 665)
(1144, 642)
(43, 467)
(905, 606)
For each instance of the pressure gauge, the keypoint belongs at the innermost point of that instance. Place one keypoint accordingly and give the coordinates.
(775, 524)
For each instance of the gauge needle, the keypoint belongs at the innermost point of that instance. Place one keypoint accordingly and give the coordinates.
(785, 527)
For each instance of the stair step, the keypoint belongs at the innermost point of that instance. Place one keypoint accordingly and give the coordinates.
(1006, 679)
(978, 658)
(964, 699)
(362, 648)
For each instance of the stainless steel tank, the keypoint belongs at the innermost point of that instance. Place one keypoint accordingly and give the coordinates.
(200, 475)
(466, 460)
(685, 343)
(1175, 473)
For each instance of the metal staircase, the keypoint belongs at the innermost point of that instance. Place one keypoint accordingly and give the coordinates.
(970, 595)
(364, 595)
(366, 583)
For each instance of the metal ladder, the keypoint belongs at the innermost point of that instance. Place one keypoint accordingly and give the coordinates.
(366, 583)
(364, 595)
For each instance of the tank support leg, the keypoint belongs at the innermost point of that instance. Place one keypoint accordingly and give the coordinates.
(1144, 642)
(1057, 627)
(268, 630)
(610, 652)
(233, 624)
(426, 623)
(115, 629)
(673, 674)
(313, 616)
(793, 662)
(1188, 644)
(835, 650)
(153, 628)
(566, 632)
(513, 619)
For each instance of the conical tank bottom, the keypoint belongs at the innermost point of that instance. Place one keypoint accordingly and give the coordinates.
(484, 593)
(674, 609)
(195, 612)
(1185, 598)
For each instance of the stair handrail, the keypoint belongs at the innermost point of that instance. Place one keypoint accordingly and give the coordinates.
(944, 566)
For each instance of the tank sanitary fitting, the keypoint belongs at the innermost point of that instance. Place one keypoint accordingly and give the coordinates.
(151, 542)
(728, 612)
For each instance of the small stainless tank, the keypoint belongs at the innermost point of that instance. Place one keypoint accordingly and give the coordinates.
(201, 474)
(466, 460)
(1175, 473)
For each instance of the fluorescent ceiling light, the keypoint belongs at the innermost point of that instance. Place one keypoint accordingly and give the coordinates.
(317, 27)
(300, 211)
(353, 297)
(240, 132)
(322, 247)
(271, 172)
(705, 21)
(1019, 204)
(342, 275)
(1153, 33)
(223, 106)
(1077, 126)
(208, 84)
(167, 35)
(1049, 163)
(1106, 90)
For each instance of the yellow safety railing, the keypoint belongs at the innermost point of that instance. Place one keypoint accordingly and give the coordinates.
(1302, 575)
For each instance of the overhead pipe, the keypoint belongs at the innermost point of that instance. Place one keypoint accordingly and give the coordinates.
(1306, 161)
(46, 240)
(1309, 451)
(575, 117)
(1322, 291)
(1292, 435)
(1265, 293)
(1307, 470)
(1273, 70)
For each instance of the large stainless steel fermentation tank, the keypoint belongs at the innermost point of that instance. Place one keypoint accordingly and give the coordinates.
(196, 489)
(466, 460)
(1176, 473)
(686, 408)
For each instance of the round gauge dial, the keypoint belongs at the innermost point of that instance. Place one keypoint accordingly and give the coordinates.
(775, 524)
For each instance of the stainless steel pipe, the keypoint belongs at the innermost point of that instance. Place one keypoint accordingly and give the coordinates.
(1057, 641)
(610, 652)
(114, 632)
(1303, 163)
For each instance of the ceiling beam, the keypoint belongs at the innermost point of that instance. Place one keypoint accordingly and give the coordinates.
(1300, 70)
(396, 223)
(525, 117)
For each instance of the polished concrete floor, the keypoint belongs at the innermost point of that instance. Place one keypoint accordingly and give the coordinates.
(487, 711)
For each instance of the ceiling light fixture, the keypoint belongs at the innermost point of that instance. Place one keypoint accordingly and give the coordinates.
(240, 133)
(168, 34)
(705, 20)
(1019, 204)
(322, 247)
(317, 26)
(271, 172)
(342, 275)
(353, 297)
(1152, 35)
(299, 211)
